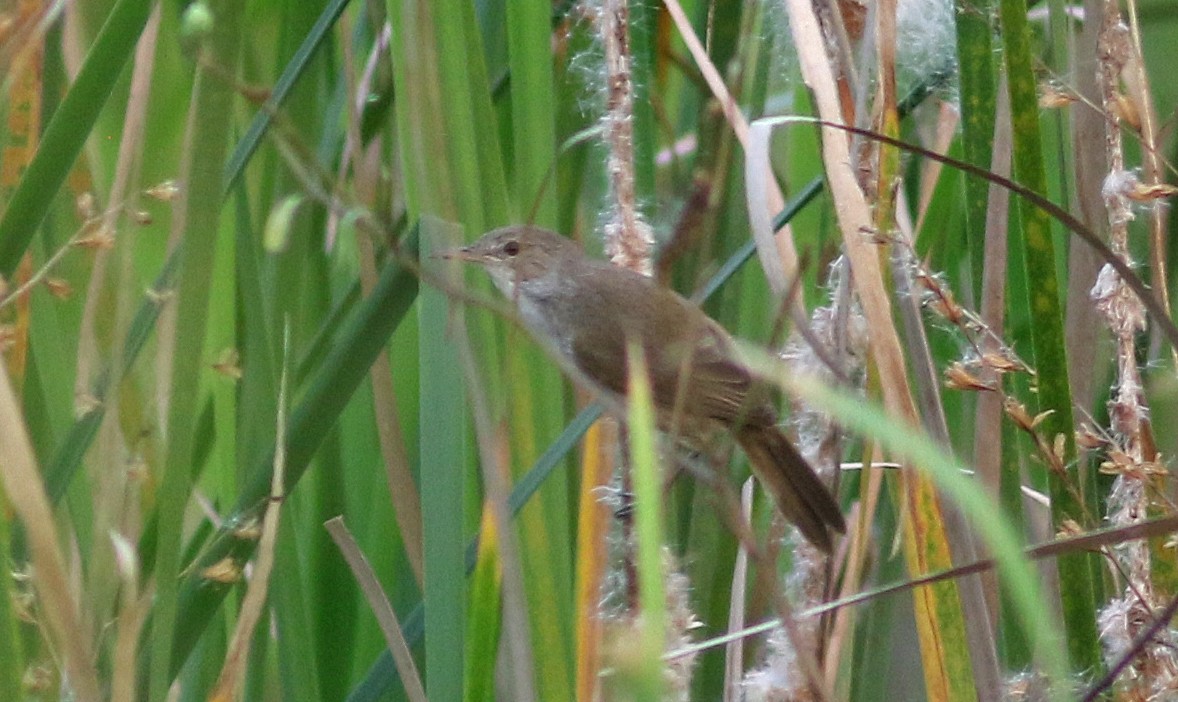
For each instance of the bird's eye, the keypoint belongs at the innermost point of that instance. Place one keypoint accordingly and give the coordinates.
(511, 248)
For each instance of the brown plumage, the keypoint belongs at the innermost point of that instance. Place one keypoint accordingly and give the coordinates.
(588, 310)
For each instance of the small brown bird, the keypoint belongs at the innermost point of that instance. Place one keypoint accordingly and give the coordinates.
(589, 309)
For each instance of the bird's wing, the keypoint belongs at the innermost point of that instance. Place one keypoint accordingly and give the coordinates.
(692, 361)
(696, 375)
(596, 355)
(717, 385)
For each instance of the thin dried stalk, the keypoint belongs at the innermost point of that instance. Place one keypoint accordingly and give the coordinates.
(381, 607)
(126, 171)
(116, 500)
(229, 682)
(1153, 170)
(21, 481)
(734, 651)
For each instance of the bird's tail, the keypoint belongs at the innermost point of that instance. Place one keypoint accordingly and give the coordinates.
(796, 489)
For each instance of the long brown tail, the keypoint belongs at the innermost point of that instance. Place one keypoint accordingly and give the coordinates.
(796, 489)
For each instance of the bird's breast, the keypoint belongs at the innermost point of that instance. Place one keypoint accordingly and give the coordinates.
(537, 315)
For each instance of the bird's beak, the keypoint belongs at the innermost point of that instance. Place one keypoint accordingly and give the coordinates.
(460, 254)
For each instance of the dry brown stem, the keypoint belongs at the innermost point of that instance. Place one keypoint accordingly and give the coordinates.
(628, 239)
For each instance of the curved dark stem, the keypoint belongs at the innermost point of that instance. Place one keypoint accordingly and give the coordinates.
(1059, 214)
(1135, 650)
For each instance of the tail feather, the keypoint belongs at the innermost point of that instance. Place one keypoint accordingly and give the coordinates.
(799, 493)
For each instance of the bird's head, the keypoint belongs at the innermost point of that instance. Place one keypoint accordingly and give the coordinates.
(517, 254)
